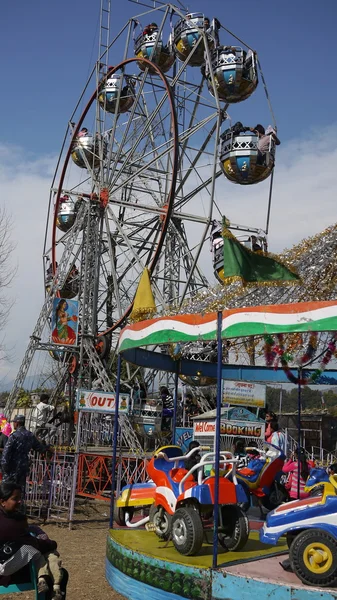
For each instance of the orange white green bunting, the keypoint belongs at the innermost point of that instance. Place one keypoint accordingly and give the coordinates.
(257, 320)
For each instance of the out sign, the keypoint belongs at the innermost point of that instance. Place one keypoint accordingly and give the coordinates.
(100, 401)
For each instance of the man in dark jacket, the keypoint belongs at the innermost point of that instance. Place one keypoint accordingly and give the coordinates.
(15, 456)
(3, 441)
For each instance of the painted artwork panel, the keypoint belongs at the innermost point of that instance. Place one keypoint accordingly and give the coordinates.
(64, 322)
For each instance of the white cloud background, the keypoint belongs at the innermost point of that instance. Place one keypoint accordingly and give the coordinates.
(304, 202)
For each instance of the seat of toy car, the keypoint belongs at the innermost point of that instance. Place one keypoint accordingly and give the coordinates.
(268, 473)
(178, 473)
(162, 464)
(253, 477)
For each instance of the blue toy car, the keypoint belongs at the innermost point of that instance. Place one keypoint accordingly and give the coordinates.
(310, 526)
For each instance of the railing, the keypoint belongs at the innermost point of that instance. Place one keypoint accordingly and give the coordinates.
(49, 486)
(322, 456)
(50, 483)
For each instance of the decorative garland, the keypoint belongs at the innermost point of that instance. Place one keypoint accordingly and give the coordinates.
(276, 352)
(284, 357)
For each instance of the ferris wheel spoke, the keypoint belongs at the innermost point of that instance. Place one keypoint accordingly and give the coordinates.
(150, 117)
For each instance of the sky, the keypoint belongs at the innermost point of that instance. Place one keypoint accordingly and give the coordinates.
(48, 50)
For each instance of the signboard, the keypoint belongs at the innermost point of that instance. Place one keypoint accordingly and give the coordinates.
(184, 435)
(64, 322)
(236, 428)
(103, 402)
(242, 393)
(204, 428)
(243, 429)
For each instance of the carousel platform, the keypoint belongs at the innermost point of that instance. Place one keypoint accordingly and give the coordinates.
(140, 566)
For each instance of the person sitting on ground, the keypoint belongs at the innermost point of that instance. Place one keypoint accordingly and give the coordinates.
(15, 533)
(52, 568)
(291, 467)
(263, 144)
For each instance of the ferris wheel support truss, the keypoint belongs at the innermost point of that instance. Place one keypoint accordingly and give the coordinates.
(56, 285)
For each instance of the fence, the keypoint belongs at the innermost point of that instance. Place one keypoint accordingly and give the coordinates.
(94, 474)
(49, 486)
(50, 483)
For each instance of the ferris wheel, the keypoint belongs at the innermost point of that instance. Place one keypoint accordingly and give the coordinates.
(138, 176)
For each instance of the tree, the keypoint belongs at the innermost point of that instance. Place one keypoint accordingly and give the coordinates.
(7, 271)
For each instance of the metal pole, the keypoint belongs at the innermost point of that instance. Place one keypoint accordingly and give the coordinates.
(175, 405)
(280, 405)
(114, 443)
(217, 442)
(299, 394)
(76, 457)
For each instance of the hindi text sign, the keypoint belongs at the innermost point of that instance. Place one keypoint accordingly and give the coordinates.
(243, 393)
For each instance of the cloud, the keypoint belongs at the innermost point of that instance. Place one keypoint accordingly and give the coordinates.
(303, 191)
(303, 204)
(24, 184)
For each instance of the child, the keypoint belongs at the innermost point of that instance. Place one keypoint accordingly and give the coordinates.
(254, 465)
(52, 567)
(291, 467)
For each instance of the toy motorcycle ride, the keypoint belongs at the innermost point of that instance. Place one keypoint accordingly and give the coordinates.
(267, 485)
(182, 506)
(310, 526)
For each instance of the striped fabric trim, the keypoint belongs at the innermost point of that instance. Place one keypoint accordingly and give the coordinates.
(257, 320)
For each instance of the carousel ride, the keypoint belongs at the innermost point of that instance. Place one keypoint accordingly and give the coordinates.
(146, 149)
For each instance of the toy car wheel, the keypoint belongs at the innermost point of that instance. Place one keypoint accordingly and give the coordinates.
(234, 531)
(276, 497)
(119, 514)
(317, 491)
(290, 536)
(313, 556)
(161, 521)
(187, 531)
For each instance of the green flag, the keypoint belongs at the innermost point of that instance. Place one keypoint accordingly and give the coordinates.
(252, 267)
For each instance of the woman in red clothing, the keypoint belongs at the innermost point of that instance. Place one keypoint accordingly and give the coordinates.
(291, 467)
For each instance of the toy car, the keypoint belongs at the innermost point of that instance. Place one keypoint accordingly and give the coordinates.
(310, 526)
(182, 505)
(266, 484)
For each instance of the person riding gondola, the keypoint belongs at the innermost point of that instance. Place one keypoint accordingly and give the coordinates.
(149, 29)
(263, 144)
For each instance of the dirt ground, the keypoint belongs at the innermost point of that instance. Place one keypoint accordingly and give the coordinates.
(83, 553)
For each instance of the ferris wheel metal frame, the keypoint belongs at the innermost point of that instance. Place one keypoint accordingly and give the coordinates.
(171, 214)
